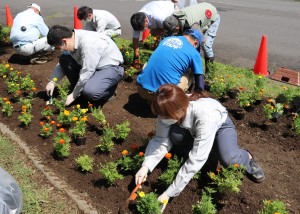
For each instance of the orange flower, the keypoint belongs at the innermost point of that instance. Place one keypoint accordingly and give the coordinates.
(46, 129)
(134, 147)
(168, 155)
(61, 141)
(212, 175)
(24, 108)
(42, 123)
(271, 107)
(124, 152)
(241, 88)
(48, 117)
(33, 89)
(19, 72)
(90, 105)
(19, 92)
(236, 165)
(74, 118)
(141, 154)
(62, 130)
(270, 100)
(47, 108)
(52, 122)
(58, 125)
(5, 99)
(218, 169)
(84, 119)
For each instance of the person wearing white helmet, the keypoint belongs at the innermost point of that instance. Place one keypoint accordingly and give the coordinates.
(29, 32)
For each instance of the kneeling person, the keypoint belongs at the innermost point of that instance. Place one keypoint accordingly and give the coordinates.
(92, 65)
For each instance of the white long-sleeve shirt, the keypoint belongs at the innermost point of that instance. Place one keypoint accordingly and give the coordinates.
(102, 20)
(203, 118)
(93, 51)
(156, 12)
(34, 24)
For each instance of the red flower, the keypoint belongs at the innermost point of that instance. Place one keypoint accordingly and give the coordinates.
(62, 130)
(41, 123)
(134, 147)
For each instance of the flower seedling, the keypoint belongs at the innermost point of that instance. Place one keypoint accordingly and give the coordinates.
(170, 173)
(107, 140)
(228, 179)
(85, 163)
(99, 116)
(110, 173)
(45, 130)
(26, 83)
(47, 112)
(148, 203)
(130, 162)
(130, 71)
(79, 129)
(64, 117)
(273, 207)
(7, 108)
(296, 123)
(62, 144)
(25, 117)
(4, 70)
(122, 130)
(273, 109)
(206, 204)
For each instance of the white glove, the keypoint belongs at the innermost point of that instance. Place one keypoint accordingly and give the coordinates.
(70, 99)
(50, 88)
(164, 199)
(141, 175)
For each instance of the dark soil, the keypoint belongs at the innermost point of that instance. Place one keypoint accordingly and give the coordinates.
(276, 149)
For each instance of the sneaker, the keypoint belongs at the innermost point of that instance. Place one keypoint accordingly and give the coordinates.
(257, 174)
(39, 60)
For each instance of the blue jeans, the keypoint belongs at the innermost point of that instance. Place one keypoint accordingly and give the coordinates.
(101, 85)
(209, 37)
(225, 146)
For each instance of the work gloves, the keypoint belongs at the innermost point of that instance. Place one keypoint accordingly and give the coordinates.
(141, 175)
(70, 99)
(164, 199)
(50, 88)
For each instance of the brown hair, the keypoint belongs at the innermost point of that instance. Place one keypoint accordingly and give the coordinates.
(170, 101)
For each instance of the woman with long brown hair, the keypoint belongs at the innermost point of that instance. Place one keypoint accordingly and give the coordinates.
(198, 122)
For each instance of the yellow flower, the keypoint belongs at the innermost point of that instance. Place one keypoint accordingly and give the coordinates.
(141, 194)
(236, 165)
(248, 104)
(84, 119)
(277, 213)
(11, 69)
(165, 201)
(284, 87)
(7, 102)
(54, 79)
(78, 106)
(74, 118)
(127, 52)
(4, 76)
(84, 110)
(155, 38)
(67, 113)
(124, 152)
(212, 175)
(259, 76)
(6, 65)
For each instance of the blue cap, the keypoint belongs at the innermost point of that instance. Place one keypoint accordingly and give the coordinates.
(196, 33)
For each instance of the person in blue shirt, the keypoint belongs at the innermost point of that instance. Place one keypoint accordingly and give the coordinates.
(175, 61)
(29, 32)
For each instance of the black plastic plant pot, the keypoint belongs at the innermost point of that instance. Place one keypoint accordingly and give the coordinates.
(250, 108)
(233, 94)
(275, 117)
(224, 99)
(266, 125)
(80, 141)
(240, 114)
(257, 102)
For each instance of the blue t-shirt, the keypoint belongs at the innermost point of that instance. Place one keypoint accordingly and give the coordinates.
(169, 61)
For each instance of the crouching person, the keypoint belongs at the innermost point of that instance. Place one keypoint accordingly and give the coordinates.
(199, 123)
(91, 61)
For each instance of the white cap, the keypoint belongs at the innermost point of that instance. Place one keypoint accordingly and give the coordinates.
(35, 6)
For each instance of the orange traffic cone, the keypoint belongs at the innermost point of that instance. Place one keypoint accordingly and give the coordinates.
(261, 64)
(77, 22)
(9, 19)
(145, 34)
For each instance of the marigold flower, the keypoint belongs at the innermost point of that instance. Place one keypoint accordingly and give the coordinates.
(84, 110)
(19, 92)
(7, 102)
(47, 108)
(61, 141)
(284, 87)
(74, 118)
(58, 125)
(46, 129)
(285, 105)
(66, 112)
(48, 117)
(218, 170)
(62, 130)
(90, 105)
(5, 99)
(165, 201)
(236, 165)
(84, 119)
(54, 79)
(78, 106)
(134, 147)
(19, 72)
(271, 107)
(168, 155)
(6, 65)
(259, 76)
(4, 76)
(248, 104)
(33, 89)
(270, 100)
(141, 154)
(52, 122)
(24, 108)
(141, 194)
(11, 69)
(212, 175)
(124, 152)
(241, 88)
(42, 123)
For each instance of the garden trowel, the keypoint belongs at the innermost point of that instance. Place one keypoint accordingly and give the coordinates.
(50, 101)
(131, 198)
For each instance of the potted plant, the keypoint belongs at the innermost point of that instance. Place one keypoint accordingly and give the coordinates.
(85, 163)
(62, 144)
(273, 111)
(129, 72)
(78, 132)
(245, 100)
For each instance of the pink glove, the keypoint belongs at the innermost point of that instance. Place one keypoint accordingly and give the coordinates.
(70, 99)
(141, 175)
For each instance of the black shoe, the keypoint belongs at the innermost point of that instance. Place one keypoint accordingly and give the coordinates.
(257, 175)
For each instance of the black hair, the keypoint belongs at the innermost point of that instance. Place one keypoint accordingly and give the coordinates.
(83, 12)
(57, 33)
(137, 21)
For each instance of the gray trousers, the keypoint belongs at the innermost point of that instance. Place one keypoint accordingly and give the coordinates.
(101, 86)
(225, 147)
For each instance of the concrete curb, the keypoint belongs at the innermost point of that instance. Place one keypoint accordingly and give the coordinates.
(53, 179)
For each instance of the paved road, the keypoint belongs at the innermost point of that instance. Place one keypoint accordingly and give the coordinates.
(242, 25)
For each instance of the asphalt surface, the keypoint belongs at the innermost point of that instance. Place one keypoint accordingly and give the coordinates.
(238, 39)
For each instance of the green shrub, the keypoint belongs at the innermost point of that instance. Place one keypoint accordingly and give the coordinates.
(170, 173)
(110, 172)
(85, 163)
(122, 130)
(205, 206)
(273, 207)
(148, 203)
(107, 140)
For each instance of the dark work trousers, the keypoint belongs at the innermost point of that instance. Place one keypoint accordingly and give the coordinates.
(101, 86)
(225, 147)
